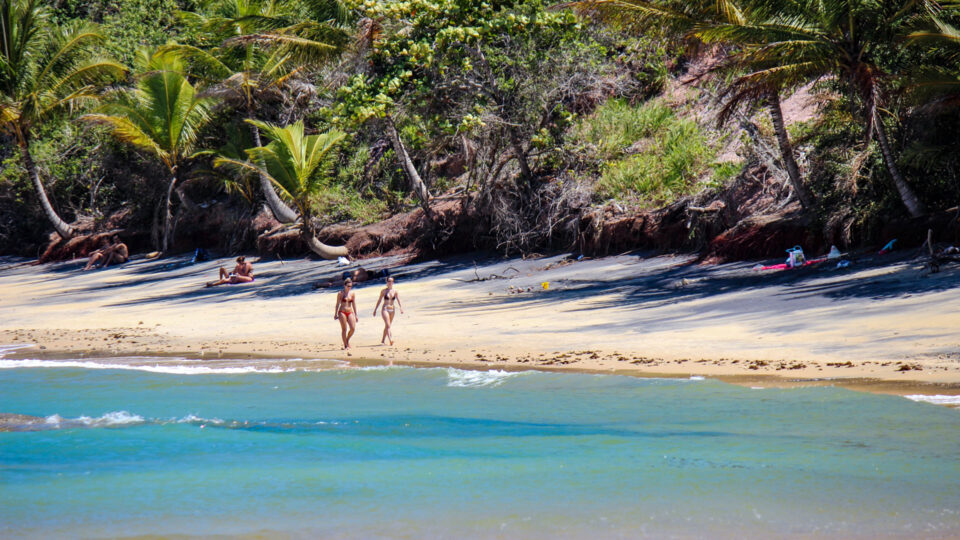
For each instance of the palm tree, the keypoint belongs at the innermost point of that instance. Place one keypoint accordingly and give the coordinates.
(162, 116)
(299, 166)
(692, 18)
(943, 80)
(806, 40)
(260, 48)
(44, 70)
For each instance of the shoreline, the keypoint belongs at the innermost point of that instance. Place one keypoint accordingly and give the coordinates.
(880, 322)
(729, 374)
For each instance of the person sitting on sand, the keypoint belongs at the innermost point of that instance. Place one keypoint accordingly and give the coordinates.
(346, 312)
(98, 255)
(242, 273)
(388, 296)
(118, 253)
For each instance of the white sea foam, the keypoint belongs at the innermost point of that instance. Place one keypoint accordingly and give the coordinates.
(176, 369)
(936, 399)
(697, 378)
(471, 379)
(114, 418)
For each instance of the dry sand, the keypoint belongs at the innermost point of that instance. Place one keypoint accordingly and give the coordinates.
(880, 324)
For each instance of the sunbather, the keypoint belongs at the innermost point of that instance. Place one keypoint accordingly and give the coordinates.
(115, 253)
(118, 253)
(98, 255)
(242, 273)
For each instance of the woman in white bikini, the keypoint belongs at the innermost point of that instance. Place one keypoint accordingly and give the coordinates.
(346, 312)
(388, 296)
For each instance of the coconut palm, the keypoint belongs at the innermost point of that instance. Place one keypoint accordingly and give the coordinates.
(45, 69)
(261, 48)
(299, 166)
(162, 116)
(806, 40)
(939, 80)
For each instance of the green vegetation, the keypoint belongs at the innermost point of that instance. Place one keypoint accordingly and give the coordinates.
(530, 113)
(651, 156)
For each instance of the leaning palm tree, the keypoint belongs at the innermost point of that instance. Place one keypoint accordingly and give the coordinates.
(260, 47)
(162, 116)
(807, 40)
(299, 166)
(45, 69)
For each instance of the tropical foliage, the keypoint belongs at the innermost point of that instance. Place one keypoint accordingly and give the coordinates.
(161, 116)
(530, 114)
(45, 69)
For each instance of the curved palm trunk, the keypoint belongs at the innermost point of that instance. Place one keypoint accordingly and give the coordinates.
(316, 246)
(909, 198)
(413, 177)
(63, 229)
(786, 150)
(282, 212)
(323, 250)
(168, 216)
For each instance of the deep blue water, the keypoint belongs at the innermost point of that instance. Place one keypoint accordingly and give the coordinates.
(445, 453)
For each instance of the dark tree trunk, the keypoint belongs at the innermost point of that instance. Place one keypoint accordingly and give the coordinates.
(909, 198)
(417, 185)
(521, 156)
(281, 211)
(63, 229)
(786, 150)
(168, 212)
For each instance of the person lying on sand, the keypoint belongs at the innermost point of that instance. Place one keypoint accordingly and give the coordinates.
(115, 253)
(346, 312)
(359, 275)
(242, 273)
(388, 296)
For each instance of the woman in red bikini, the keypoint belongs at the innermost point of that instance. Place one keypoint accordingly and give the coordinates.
(346, 312)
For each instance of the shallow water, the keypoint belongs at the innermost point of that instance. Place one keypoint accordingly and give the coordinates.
(447, 453)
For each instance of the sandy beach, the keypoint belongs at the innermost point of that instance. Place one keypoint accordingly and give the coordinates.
(881, 324)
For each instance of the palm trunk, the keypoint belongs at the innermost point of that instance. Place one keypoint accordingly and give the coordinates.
(63, 229)
(323, 250)
(282, 212)
(318, 247)
(413, 177)
(909, 198)
(168, 215)
(786, 150)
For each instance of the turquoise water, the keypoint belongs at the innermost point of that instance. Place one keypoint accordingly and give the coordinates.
(445, 453)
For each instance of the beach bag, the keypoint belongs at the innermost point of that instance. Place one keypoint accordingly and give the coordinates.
(795, 257)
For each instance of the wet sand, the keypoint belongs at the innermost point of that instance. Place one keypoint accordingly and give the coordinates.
(880, 325)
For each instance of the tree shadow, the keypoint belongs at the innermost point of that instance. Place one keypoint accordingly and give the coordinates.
(660, 290)
(273, 279)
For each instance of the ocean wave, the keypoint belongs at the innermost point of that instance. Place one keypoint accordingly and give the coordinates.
(936, 399)
(473, 379)
(174, 369)
(110, 419)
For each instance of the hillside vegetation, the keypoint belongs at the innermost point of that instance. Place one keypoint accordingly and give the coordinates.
(518, 126)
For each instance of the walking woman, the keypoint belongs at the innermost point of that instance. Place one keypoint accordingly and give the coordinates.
(388, 296)
(346, 312)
